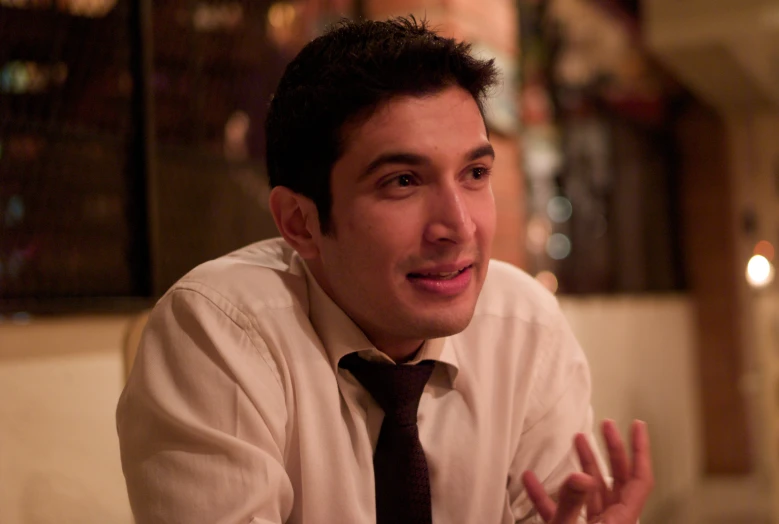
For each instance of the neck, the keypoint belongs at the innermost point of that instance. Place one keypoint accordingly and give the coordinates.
(399, 350)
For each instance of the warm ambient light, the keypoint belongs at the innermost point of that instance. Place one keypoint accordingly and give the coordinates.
(221, 17)
(548, 280)
(538, 230)
(87, 8)
(760, 272)
(281, 15)
(765, 249)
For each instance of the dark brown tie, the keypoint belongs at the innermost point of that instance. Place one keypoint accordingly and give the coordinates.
(399, 464)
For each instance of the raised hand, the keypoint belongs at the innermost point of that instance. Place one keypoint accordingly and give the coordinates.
(620, 503)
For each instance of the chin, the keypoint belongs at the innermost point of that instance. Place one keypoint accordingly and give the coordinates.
(443, 325)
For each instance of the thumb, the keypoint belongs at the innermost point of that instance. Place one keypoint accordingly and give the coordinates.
(573, 496)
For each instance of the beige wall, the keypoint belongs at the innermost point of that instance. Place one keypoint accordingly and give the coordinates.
(59, 455)
(59, 382)
(641, 358)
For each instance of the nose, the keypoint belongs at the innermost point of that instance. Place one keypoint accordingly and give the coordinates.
(449, 218)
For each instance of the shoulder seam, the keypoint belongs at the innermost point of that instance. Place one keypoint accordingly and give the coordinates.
(246, 325)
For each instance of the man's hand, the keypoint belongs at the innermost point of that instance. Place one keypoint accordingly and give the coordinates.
(621, 503)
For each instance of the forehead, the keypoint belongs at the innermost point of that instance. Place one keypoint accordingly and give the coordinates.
(447, 122)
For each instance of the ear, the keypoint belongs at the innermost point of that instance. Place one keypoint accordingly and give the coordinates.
(297, 219)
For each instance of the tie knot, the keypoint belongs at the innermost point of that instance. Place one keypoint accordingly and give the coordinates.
(395, 388)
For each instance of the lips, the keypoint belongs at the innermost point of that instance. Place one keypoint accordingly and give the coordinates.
(439, 275)
(442, 281)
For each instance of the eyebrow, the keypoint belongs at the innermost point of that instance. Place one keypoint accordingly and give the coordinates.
(415, 159)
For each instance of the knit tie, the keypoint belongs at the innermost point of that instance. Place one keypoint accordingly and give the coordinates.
(399, 464)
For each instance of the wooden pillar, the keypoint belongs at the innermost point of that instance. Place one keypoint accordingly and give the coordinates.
(713, 269)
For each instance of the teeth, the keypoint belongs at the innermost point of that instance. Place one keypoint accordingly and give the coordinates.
(443, 276)
(440, 276)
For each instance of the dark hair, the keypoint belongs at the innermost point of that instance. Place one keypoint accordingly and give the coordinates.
(341, 78)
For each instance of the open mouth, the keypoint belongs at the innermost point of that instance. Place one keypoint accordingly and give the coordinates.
(440, 276)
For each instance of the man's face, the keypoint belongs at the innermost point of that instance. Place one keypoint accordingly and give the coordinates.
(413, 219)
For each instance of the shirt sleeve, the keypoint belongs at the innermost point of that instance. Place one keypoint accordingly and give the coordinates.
(560, 409)
(194, 449)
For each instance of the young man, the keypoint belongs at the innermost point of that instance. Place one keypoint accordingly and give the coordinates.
(374, 365)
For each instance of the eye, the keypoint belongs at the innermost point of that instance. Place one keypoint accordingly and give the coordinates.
(480, 173)
(399, 185)
(404, 180)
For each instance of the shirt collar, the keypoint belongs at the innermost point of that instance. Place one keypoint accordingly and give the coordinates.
(341, 336)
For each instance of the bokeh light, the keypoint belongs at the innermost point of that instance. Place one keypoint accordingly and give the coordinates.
(548, 280)
(559, 209)
(281, 15)
(14, 211)
(31, 77)
(766, 249)
(538, 230)
(760, 271)
(86, 8)
(217, 17)
(558, 246)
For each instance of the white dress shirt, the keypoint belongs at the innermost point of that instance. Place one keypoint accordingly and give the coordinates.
(236, 410)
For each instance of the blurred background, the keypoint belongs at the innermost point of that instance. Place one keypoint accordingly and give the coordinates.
(637, 177)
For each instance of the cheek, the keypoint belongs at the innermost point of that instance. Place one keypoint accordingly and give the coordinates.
(484, 214)
(365, 250)
(385, 230)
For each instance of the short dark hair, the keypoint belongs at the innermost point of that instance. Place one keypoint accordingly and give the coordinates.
(341, 78)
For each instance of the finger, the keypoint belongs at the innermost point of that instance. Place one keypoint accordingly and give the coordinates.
(590, 467)
(573, 496)
(636, 491)
(620, 464)
(541, 501)
(642, 456)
